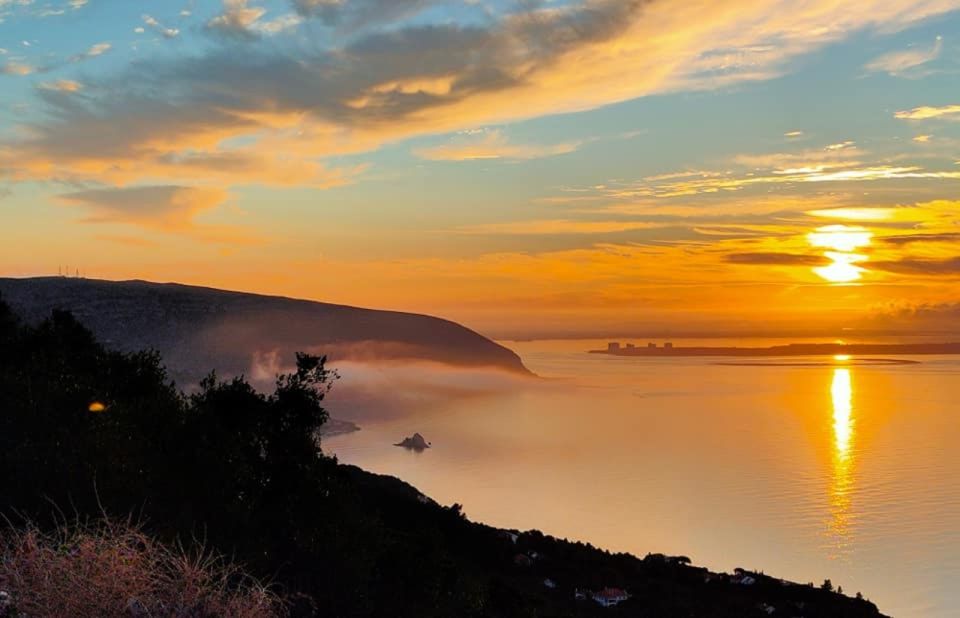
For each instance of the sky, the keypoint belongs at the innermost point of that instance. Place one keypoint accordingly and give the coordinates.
(529, 168)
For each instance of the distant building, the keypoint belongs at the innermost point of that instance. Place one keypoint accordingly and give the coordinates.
(630, 346)
(613, 346)
(610, 597)
(652, 346)
(668, 345)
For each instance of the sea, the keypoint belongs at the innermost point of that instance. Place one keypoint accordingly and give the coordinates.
(808, 469)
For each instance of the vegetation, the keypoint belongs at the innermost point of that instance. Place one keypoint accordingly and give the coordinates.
(114, 569)
(91, 432)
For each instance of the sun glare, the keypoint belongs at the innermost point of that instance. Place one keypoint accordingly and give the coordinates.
(840, 237)
(843, 268)
(842, 242)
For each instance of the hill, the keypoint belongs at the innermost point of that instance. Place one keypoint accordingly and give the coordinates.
(87, 432)
(197, 328)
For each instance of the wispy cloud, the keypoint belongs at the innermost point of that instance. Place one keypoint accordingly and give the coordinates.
(167, 209)
(776, 259)
(163, 207)
(492, 144)
(904, 63)
(95, 50)
(16, 67)
(62, 85)
(156, 26)
(555, 227)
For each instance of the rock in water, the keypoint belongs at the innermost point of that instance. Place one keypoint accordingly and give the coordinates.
(414, 442)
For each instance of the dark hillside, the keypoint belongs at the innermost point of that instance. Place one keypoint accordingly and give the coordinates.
(85, 431)
(197, 329)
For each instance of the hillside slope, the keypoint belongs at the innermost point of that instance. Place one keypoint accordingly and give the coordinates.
(197, 329)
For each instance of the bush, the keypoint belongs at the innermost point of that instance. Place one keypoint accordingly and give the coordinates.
(113, 570)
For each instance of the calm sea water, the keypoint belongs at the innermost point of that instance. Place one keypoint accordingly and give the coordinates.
(843, 471)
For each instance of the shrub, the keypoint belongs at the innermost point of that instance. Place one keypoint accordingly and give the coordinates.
(116, 570)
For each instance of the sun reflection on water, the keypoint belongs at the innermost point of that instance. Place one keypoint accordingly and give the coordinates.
(842, 481)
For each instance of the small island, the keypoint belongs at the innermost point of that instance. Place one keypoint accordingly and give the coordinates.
(416, 442)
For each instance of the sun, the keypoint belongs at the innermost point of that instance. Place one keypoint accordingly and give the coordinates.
(842, 242)
(843, 267)
(844, 238)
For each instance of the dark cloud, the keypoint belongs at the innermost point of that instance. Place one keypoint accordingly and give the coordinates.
(912, 238)
(913, 318)
(920, 266)
(776, 259)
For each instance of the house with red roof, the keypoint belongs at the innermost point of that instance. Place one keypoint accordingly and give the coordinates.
(610, 597)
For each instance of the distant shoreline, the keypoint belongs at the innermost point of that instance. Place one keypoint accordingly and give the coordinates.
(793, 349)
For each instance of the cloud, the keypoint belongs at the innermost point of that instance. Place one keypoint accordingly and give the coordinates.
(906, 239)
(156, 26)
(555, 226)
(62, 85)
(237, 19)
(925, 112)
(776, 259)
(355, 14)
(917, 317)
(95, 50)
(165, 118)
(491, 145)
(902, 63)
(279, 24)
(921, 266)
(169, 208)
(833, 156)
(16, 68)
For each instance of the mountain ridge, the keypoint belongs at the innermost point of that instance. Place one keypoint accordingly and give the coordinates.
(199, 328)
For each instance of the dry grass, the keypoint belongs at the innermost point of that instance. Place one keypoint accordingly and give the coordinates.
(113, 570)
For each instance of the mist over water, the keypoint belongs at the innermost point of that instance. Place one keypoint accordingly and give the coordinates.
(840, 470)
